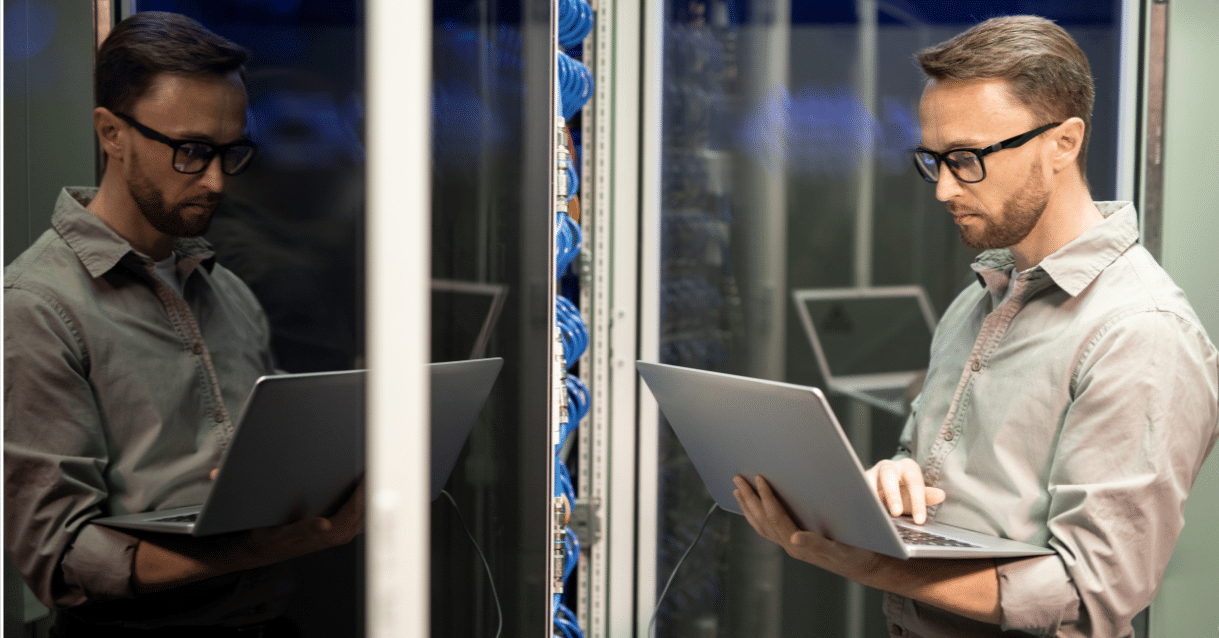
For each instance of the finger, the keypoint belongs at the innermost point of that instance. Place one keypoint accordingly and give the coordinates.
(935, 495)
(748, 502)
(779, 519)
(747, 498)
(890, 488)
(214, 473)
(740, 499)
(912, 478)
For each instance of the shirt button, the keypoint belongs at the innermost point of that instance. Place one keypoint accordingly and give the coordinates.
(197, 348)
(219, 418)
(976, 366)
(948, 436)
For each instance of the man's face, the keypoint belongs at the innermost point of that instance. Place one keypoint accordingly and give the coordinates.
(1005, 207)
(207, 109)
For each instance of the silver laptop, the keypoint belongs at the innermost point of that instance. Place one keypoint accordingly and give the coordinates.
(736, 426)
(299, 449)
(870, 343)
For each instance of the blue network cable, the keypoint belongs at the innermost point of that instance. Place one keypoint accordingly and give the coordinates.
(575, 22)
(575, 84)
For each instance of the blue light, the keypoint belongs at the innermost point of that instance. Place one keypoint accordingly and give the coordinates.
(29, 26)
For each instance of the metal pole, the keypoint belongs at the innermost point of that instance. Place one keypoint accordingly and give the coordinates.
(399, 58)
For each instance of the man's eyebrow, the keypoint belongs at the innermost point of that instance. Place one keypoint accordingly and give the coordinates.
(193, 136)
(954, 145)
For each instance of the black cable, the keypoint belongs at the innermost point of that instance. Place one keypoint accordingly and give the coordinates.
(660, 599)
(499, 612)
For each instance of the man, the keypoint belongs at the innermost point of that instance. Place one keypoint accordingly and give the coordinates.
(1071, 397)
(128, 353)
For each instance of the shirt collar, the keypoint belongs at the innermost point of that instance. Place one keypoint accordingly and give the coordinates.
(98, 247)
(1074, 266)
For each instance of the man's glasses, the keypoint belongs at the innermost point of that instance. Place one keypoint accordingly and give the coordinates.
(966, 163)
(192, 156)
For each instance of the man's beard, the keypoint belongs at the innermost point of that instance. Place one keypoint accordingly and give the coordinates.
(1019, 216)
(172, 222)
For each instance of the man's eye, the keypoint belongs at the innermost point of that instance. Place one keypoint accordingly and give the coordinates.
(196, 151)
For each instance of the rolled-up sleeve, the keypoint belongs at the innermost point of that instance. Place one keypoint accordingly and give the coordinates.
(1131, 443)
(55, 453)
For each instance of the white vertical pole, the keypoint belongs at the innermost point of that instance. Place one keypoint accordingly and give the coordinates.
(399, 54)
(648, 432)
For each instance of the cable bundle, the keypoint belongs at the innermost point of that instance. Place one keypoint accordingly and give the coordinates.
(568, 241)
(575, 22)
(573, 330)
(575, 87)
(575, 84)
(573, 180)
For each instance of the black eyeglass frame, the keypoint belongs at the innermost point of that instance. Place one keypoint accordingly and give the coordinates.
(213, 149)
(942, 158)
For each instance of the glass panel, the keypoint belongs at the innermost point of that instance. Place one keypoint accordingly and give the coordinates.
(292, 225)
(787, 127)
(293, 228)
(490, 254)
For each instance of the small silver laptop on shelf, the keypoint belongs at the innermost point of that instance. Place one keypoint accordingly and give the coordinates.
(871, 344)
(299, 450)
(737, 426)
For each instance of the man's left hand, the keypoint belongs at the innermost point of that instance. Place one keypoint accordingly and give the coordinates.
(771, 520)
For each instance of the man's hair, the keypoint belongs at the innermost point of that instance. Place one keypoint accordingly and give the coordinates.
(1044, 68)
(152, 42)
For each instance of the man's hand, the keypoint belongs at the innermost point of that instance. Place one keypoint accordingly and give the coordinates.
(966, 587)
(311, 534)
(901, 489)
(770, 519)
(167, 561)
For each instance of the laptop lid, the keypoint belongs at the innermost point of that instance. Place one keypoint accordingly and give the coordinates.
(867, 338)
(736, 426)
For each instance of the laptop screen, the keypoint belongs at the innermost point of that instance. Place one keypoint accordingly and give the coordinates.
(870, 335)
(463, 317)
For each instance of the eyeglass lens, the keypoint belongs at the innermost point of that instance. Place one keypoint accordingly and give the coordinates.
(965, 165)
(194, 157)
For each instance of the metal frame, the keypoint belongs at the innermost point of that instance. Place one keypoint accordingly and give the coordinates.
(610, 278)
(1128, 101)
(1152, 192)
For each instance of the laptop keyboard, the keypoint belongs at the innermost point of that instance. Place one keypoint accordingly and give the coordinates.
(180, 518)
(917, 537)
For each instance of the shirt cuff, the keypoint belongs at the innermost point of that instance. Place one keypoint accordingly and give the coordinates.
(1036, 595)
(100, 564)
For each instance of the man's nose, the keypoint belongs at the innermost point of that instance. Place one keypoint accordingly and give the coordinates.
(947, 186)
(213, 177)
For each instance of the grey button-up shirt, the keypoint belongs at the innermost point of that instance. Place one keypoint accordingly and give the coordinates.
(119, 397)
(1074, 415)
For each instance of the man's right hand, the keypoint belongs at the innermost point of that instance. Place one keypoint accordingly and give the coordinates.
(901, 488)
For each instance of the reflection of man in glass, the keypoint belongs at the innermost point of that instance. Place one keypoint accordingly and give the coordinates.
(128, 351)
(1071, 396)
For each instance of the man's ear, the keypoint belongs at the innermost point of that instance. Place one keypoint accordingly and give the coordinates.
(1068, 142)
(106, 124)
